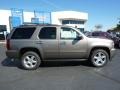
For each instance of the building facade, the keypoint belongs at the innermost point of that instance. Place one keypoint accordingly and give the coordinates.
(70, 18)
(13, 18)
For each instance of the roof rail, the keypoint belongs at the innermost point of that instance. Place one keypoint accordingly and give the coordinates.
(36, 24)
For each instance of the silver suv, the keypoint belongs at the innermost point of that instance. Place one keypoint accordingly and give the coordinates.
(33, 44)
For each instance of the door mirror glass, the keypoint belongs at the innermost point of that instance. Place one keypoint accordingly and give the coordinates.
(79, 37)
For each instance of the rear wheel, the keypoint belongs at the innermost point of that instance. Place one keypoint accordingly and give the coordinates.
(30, 60)
(99, 58)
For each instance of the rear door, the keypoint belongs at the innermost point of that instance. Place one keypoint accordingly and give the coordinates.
(49, 42)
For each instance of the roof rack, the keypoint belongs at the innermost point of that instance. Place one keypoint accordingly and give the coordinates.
(36, 24)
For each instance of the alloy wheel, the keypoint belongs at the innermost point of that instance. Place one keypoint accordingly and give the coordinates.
(99, 59)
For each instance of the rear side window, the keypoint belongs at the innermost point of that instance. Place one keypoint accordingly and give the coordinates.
(23, 33)
(48, 33)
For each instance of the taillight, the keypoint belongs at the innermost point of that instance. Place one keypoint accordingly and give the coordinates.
(8, 44)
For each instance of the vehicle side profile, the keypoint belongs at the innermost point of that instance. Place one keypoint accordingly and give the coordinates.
(33, 44)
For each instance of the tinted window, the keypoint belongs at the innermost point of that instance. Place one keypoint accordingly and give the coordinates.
(48, 33)
(23, 33)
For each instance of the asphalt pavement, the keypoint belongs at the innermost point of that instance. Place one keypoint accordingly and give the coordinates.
(59, 75)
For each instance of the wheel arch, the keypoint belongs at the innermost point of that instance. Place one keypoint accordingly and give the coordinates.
(26, 49)
(99, 47)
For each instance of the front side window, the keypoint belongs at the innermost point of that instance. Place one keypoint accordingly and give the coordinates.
(48, 33)
(68, 33)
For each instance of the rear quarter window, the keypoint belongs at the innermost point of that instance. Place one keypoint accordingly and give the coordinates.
(23, 33)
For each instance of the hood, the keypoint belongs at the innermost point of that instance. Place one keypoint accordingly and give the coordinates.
(100, 39)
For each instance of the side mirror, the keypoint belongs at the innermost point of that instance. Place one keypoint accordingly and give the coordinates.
(79, 37)
(7, 35)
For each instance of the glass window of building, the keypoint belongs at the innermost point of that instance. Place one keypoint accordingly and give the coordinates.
(72, 22)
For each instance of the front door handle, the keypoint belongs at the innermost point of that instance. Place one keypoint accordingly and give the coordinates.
(62, 43)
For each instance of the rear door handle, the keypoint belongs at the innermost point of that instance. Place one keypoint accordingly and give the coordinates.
(39, 42)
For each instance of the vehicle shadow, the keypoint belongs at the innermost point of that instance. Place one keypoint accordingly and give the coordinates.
(16, 63)
(117, 47)
(10, 63)
(65, 63)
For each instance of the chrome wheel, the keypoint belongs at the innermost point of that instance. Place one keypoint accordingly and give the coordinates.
(30, 61)
(99, 59)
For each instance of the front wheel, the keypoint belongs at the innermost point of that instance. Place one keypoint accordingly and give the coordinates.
(30, 60)
(99, 58)
(119, 44)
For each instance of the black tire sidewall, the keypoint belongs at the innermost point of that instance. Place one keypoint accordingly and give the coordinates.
(36, 56)
(119, 44)
(94, 53)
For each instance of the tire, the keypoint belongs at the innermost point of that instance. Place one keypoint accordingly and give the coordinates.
(119, 45)
(99, 58)
(30, 60)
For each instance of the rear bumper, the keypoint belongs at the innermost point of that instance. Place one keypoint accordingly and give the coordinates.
(112, 53)
(12, 54)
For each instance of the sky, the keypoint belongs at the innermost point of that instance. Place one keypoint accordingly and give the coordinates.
(103, 12)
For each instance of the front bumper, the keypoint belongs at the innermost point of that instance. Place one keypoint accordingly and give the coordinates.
(112, 53)
(12, 54)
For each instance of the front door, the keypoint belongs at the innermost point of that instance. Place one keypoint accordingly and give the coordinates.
(70, 45)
